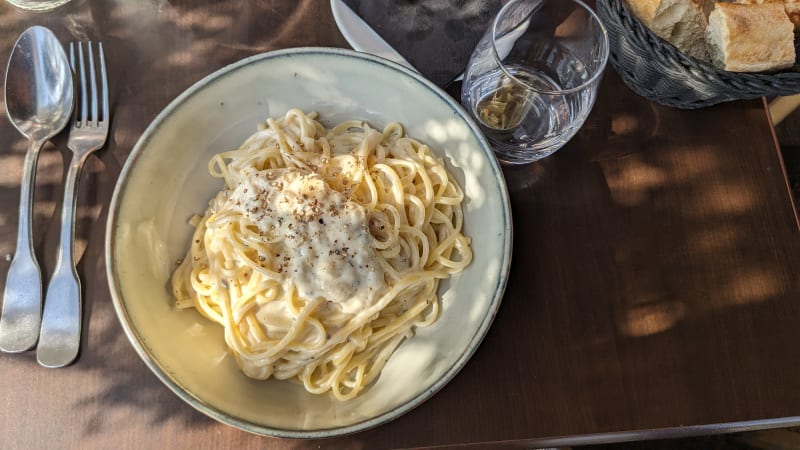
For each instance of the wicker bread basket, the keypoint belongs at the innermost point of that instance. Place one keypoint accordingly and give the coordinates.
(655, 69)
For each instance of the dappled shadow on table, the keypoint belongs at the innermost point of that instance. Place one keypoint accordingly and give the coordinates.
(687, 265)
(199, 37)
(674, 236)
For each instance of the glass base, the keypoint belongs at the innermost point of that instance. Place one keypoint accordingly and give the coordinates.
(37, 5)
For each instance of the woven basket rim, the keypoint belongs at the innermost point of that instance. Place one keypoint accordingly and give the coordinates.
(706, 68)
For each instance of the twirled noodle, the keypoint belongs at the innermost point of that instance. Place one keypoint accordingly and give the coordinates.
(324, 251)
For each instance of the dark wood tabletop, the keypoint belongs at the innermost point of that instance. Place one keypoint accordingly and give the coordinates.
(654, 290)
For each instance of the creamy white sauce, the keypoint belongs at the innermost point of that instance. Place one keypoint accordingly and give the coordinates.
(323, 239)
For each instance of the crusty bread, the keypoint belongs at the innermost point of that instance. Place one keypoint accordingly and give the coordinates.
(750, 38)
(708, 6)
(792, 8)
(680, 22)
(689, 34)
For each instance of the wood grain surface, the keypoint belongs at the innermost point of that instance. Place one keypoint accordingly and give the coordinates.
(654, 288)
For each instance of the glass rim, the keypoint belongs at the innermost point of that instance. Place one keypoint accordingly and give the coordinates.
(597, 73)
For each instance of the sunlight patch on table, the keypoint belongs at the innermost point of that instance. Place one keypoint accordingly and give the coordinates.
(652, 318)
(624, 124)
(721, 199)
(689, 164)
(632, 180)
(755, 285)
(714, 239)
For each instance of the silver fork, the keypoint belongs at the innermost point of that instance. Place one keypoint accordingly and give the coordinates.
(60, 335)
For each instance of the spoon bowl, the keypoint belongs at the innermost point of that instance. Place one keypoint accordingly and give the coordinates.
(39, 97)
(39, 87)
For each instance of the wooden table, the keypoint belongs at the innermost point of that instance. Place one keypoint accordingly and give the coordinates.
(654, 290)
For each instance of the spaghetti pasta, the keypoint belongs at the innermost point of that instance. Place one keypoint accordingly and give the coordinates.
(324, 250)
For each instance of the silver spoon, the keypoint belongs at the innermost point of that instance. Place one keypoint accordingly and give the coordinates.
(39, 100)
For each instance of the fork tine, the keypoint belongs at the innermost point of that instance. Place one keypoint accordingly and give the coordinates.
(93, 83)
(76, 112)
(84, 106)
(103, 81)
(72, 56)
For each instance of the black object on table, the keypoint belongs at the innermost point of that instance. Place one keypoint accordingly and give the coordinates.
(436, 36)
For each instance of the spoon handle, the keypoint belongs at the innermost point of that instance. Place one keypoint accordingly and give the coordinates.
(22, 298)
(60, 336)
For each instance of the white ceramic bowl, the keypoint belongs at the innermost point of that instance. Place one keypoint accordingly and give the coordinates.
(165, 180)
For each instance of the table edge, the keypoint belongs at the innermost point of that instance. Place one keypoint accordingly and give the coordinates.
(613, 437)
(777, 146)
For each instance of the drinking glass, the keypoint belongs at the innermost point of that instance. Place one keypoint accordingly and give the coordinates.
(533, 77)
(37, 5)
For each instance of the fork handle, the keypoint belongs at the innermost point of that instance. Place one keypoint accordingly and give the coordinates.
(22, 298)
(60, 336)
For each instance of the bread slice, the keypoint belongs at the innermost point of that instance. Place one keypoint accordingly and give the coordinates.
(750, 38)
(682, 23)
(792, 8)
